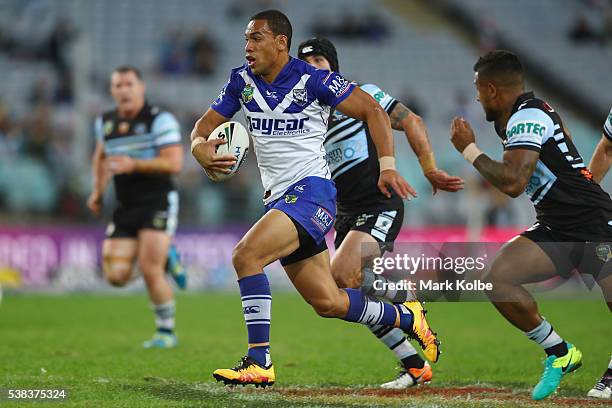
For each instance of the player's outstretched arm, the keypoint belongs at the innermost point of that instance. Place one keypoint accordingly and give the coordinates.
(602, 159)
(100, 179)
(414, 128)
(510, 176)
(362, 106)
(169, 161)
(204, 150)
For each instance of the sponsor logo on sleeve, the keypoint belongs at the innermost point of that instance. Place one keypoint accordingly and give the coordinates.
(338, 85)
(526, 127)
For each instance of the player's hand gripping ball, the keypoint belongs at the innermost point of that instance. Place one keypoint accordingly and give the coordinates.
(237, 144)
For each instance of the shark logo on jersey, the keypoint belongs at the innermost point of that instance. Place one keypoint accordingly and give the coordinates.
(247, 93)
(300, 96)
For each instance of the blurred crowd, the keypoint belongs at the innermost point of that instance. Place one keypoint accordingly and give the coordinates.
(42, 177)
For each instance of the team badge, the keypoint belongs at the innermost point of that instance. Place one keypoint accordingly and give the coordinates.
(290, 199)
(603, 252)
(362, 219)
(123, 127)
(300, 96)
(160, 219)
(247, 93)
(108, 127)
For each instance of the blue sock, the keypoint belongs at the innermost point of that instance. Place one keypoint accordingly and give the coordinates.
(256, 303)
(372, 312)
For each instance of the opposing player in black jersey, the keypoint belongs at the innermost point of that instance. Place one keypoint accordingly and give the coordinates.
(139, 146)
(574, 215)
(600, 164)
(365, 215)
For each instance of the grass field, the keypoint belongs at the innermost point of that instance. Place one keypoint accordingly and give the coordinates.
(91, 345)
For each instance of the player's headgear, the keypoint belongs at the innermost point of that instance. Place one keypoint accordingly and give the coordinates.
(319, 46)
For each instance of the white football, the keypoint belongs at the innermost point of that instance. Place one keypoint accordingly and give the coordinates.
(237, 139)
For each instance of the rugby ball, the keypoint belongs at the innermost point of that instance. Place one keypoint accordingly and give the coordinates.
(237, 145)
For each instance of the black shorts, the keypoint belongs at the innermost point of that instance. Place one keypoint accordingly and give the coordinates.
(308, 246)
(159, 214)
(382, 222)
(591, 257)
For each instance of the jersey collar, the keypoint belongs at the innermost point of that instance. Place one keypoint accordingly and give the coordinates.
(519, 101)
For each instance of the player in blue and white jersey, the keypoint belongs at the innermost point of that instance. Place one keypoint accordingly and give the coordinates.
(139, 146)
(600, 164)
(574, 215)
(287, 104)
(368, 222)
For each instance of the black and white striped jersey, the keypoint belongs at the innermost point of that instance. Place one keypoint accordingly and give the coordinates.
(566, 198)
(140, 138)
(607, 128)
(352, 158)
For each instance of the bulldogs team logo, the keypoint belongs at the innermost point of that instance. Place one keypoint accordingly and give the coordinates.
(247, 93)
(300, 96)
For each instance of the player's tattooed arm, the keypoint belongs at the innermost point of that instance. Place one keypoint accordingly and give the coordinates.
(512, 174)
(602, 159)
(397, 116)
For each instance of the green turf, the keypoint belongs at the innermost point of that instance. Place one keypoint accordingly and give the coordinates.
(91, 345)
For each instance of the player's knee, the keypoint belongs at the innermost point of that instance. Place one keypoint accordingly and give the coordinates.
(118, 274)
(150, 268)
(242, 256)
(327, 307)
(345, 276)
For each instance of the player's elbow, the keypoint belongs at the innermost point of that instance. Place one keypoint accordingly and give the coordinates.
(413, 120)
(515, 189)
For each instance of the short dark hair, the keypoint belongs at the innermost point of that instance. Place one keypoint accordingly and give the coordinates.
(278, 23)
(500, 65)
(123, 69)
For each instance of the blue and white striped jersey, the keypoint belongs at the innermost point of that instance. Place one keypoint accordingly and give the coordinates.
(287, 119)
